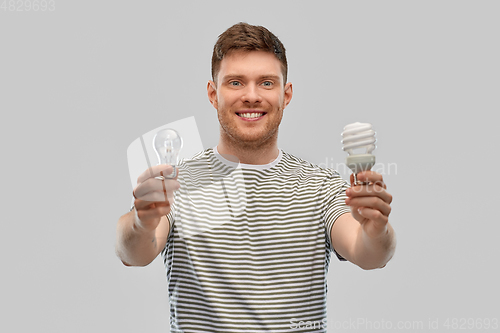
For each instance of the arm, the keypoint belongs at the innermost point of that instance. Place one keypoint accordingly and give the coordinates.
(136, 245)
(142, 233)
(365, 236)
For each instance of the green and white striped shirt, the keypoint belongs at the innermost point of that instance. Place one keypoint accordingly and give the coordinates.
(249, 246)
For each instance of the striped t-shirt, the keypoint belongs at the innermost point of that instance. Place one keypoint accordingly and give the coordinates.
(249, 245)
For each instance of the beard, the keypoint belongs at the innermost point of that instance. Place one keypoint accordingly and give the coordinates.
(249, 136)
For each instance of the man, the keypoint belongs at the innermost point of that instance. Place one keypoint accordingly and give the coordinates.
(247, 241)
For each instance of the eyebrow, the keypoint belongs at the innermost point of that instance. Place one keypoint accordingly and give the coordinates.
(236, 76)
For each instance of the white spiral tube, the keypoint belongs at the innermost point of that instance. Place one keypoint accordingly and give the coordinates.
(359, 136)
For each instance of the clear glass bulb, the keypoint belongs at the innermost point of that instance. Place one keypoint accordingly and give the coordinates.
(359, 136)
(167, 144)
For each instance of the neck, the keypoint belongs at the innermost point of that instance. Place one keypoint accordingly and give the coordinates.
(249, 154)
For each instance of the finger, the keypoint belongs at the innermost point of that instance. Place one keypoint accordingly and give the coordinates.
(157, 196)
(154, 197)
(370, 202)
(153, 213)
(142, 205)
(155, 185)
(371, 177)
(369, 191)
(156, 171)
(374, 215)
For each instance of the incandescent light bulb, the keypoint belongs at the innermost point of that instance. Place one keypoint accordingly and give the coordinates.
(358, 136)
(167, 144)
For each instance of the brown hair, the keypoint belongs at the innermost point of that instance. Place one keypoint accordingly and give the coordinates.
(246, 37)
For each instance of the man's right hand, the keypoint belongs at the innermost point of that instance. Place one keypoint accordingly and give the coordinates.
(153, 196)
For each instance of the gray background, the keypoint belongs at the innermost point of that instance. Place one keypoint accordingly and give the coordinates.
(80, 83)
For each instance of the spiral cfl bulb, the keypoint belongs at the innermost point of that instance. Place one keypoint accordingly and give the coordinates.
(359, 136)
(167, 144)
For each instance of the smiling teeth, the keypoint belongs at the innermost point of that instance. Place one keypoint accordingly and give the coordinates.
(251, 115)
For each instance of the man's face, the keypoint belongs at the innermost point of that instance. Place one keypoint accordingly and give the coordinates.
(249, 97)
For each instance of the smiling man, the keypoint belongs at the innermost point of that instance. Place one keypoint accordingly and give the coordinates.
(248, 239)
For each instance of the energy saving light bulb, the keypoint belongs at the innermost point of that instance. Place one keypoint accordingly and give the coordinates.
(359, 136)
(167, 144)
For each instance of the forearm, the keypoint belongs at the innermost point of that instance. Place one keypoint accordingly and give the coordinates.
(135, 246)
(371, 253)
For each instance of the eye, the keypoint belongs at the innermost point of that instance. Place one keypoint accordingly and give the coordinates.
(267, 83)
(234, 83)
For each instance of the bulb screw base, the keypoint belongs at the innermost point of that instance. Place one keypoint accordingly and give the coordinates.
(174, 172)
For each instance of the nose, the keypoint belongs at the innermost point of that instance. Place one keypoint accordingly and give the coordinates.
(251, 94)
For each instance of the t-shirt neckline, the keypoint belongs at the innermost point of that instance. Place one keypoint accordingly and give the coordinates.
(248, 166)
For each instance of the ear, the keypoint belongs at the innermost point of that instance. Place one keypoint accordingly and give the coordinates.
(212, 94)
(288, 94)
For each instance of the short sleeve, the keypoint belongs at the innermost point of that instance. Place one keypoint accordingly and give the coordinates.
(333, 204)
(170, 216)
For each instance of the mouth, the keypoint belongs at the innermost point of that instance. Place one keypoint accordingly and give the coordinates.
(250, 115)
